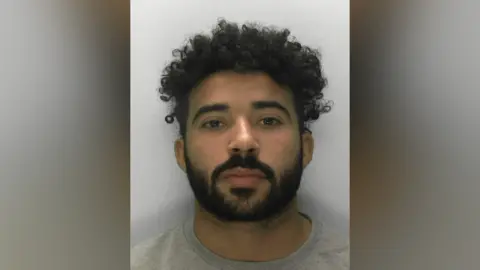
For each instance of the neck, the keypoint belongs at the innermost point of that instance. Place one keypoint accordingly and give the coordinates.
(253, 241)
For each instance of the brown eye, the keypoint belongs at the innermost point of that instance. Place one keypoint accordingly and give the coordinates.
(213, 124)
(270, 121)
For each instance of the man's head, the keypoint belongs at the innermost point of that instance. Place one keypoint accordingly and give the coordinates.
(243, 98)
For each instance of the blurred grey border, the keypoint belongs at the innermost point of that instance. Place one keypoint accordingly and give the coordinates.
(64, 139)
(415, 173)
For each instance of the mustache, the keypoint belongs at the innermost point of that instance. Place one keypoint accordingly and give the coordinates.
(247, 162)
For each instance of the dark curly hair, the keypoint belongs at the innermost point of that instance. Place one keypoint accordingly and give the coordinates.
(249, 48)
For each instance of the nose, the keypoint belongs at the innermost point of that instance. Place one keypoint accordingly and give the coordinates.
(243, 142)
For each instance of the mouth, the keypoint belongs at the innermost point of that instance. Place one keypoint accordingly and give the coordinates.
(244, 181)
(242, 178)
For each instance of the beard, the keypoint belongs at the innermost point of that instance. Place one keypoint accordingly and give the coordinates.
(281, 192)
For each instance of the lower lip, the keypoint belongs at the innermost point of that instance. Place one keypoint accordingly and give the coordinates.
(247, 181)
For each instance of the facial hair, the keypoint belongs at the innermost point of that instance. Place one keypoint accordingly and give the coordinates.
(282, 191)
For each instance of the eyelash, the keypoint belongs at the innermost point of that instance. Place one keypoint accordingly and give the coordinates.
(276, 120)
(205, 125)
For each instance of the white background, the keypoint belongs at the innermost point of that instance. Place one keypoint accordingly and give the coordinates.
(160, 194)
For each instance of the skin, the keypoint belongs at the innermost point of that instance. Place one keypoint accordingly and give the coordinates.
(270, 134)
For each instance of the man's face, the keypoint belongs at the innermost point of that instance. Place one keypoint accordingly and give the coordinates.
(243, 154)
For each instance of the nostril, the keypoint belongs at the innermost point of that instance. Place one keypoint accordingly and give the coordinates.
(238, 150)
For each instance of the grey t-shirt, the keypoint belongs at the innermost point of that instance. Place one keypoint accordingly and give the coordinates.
(180, 249)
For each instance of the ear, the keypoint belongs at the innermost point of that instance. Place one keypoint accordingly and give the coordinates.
(180, 154)
(308, 146)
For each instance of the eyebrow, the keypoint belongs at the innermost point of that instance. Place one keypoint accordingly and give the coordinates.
(221, 107)
(270, 104)
(217, 107)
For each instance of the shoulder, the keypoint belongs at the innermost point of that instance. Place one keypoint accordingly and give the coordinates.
(333, 247)
(152, 253)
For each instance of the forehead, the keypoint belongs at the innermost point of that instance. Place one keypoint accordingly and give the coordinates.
(239, 89)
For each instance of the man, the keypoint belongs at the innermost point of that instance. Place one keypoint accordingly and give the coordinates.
(243, 98)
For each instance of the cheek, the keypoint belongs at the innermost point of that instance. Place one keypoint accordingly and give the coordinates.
(279, 150)
(207, 154)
